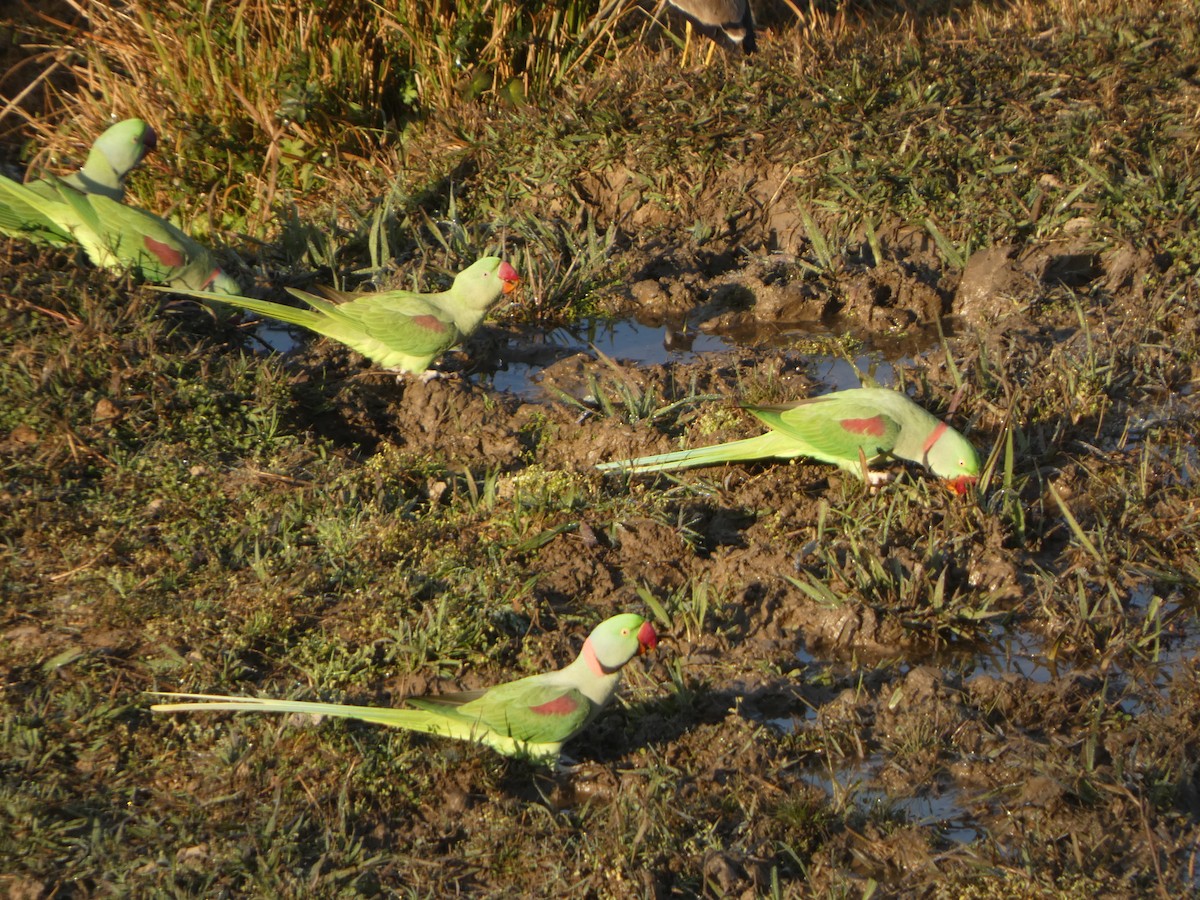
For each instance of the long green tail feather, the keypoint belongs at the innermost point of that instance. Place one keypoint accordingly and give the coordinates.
(319, 304)
(763, 446)
(293, 315)
(434, 723)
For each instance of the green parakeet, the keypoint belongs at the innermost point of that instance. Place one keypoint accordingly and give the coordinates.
(399, 330)
(847, 428)
(531, 717)
(113, 156)
(120, 237)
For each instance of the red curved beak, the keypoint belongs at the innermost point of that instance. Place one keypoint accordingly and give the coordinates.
(510, 278)
(962, 485)
(647, 638)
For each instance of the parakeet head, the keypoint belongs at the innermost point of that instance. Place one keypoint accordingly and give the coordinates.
(481, 283)
(616, 641)
(223, 284)
(123, 145)
(949, 455)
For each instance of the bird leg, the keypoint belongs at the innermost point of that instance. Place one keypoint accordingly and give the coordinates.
(862, 462)
(874, 479)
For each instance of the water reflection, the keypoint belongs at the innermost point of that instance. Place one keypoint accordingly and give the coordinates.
(942, 807)
(630, 341)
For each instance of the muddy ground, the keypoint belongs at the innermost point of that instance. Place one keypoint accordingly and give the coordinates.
(892, 692)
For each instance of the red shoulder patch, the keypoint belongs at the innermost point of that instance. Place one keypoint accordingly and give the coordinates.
(935, 436)
(164, 253)
(430, 323)
(559, 706)
(873, 426)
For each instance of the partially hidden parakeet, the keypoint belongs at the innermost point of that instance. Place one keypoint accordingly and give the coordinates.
(399, 330)
(113, 156)
(121, 237)
(531, 717)
(847, 428)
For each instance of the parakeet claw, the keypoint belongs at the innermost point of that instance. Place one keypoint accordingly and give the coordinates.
(565, 765)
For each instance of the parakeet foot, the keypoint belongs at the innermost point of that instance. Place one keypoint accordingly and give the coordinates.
(565, 765)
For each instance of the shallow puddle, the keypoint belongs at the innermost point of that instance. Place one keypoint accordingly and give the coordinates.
(623, 340)
(1167, 650)
(941, 807)
(1008, 652)
(629, 341)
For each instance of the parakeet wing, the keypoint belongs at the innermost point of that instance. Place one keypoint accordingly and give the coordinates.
(834, 426)
(538, 712)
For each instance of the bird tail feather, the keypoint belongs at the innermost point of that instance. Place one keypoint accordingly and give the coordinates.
(320, 304)
(761, 447)
(441, 724)
(293, 315)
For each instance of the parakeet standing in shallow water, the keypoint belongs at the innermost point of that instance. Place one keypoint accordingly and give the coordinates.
(113, 156)
(120, 237)
(847, 428)
(399, 330)
(530, 717)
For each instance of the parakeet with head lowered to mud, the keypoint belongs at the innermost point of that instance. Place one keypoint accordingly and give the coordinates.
(846, 428)
(532, 717)
(113, 156)
(403, 331)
